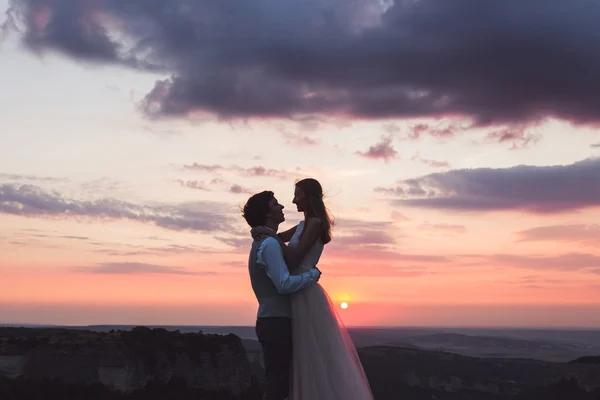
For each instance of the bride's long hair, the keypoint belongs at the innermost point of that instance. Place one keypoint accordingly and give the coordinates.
(315, 207)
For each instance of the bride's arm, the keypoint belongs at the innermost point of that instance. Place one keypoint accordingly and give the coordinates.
(313, 228)
(286, 236)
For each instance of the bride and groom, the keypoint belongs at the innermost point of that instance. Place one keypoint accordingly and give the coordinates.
(308, 354)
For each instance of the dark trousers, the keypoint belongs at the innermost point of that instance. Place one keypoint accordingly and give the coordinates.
(275, 336)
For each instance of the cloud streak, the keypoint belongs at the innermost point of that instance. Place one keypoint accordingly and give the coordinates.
(444, 228)
(256, 171)
(34, 202)
(565, 262)
(136, 268)
(584, 234)
(362, 58)
(534, 189)
(18, 177)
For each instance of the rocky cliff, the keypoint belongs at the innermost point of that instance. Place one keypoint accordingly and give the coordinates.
(126, 360)
(156, 364)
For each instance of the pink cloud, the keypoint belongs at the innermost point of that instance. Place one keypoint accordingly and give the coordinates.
(421, 129)
(431, 163)
(517, 135)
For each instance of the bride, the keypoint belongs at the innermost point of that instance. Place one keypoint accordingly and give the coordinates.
(325, 363)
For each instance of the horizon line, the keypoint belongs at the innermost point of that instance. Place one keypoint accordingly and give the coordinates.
(541, 327)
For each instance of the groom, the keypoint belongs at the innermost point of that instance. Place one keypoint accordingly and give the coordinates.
(272, 283)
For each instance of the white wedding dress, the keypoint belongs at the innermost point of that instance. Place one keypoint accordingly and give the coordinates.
(325, 365)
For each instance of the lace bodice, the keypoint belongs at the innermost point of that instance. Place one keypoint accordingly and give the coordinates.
(314, 254)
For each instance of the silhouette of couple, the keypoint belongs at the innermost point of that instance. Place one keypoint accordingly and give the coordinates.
(308, 354)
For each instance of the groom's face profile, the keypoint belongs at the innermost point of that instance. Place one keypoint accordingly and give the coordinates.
(275, 211)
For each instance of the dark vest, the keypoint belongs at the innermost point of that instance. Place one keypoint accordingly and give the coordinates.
(270, 302)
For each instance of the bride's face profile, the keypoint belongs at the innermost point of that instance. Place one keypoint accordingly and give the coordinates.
(299, 199)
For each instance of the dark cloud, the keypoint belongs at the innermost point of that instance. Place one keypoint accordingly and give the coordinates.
(32, 201)
(584, 234)
(595, 145)
(549, 189)
(490, 61)
(136, 268)
(382, 150)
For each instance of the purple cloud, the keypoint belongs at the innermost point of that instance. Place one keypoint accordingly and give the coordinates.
(32, 201)
(542, 190)
(484, 60)
(237, 189)
(382, 150)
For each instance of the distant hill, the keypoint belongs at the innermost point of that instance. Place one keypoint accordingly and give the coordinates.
(395, 370)
(495, 346)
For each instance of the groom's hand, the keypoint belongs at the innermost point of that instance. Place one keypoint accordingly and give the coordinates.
(318, 272)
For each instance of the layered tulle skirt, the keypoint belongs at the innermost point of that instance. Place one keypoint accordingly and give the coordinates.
(326, 365)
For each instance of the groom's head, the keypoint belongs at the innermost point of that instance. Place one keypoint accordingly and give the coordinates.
(263, 209)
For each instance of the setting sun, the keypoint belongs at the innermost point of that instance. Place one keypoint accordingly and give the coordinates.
(344, 305)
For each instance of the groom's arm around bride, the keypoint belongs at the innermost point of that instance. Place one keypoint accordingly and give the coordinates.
(270, 255)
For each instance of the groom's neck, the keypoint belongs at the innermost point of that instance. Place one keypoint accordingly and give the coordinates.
(272, 225)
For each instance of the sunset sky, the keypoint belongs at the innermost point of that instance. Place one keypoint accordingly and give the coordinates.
(457, 142)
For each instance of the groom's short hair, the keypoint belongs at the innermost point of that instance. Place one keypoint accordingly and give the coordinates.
(257, 208)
